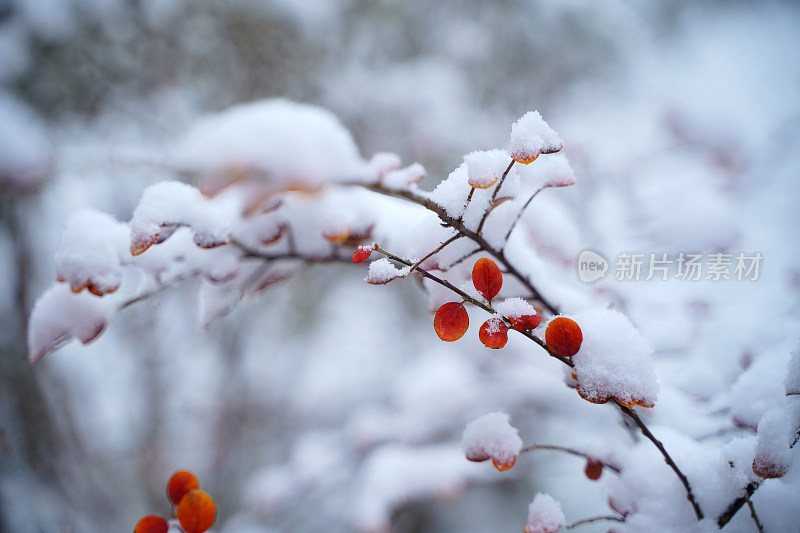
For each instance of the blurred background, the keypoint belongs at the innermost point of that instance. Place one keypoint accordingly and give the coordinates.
(329, 403)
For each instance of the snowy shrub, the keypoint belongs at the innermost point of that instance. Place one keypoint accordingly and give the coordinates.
(280, 186)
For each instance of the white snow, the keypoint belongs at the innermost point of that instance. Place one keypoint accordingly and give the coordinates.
(544, 515)
(383, 271)
(491, 436)
(174, 203)
(402, 178)
(59, 315)
(551, 171)
(381, 163)
(283, 143)
(92, 250)
(451, 194)
(394, 475)
(777, 431)
(614, 359)
(484, 168)
(514, 307)
(531, 136)
(792, 381)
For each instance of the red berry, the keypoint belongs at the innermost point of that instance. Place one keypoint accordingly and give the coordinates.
(181, 482)
(151, 524)
(196, 511)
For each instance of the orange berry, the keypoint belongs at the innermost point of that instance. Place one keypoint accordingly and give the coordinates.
(151, 524)
(181, 482)
(196, 511)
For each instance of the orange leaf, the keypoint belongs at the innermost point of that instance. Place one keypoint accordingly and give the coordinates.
(181, 482)
(493, 333)
(140, 244)
(768, 469)
(504, 465)
(151, 524)
(563, 336)
(196, 511)
(336, 234)
(525, 322)
(451, 321)
(361, 254)
(593, 399)
(487, 278)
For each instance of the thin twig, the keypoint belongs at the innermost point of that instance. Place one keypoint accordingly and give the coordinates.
(494, 196)
(460, 259)
(467, 298)
(247, 253)
(459, 226)
(469, 199)
(630, 413)
(571, 451)
(443, 282)
(519, 214)
(435, 251)
(593, 519)
(753, 514)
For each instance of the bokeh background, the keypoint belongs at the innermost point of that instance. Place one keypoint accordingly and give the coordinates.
(301, 410)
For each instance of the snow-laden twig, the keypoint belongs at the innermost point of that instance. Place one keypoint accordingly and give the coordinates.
(571, 451)
(474, 236)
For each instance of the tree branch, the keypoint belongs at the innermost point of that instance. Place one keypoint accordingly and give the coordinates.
(459, 226)
(737, 504)
(467, 298)
(494, 195)
(630, 413)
